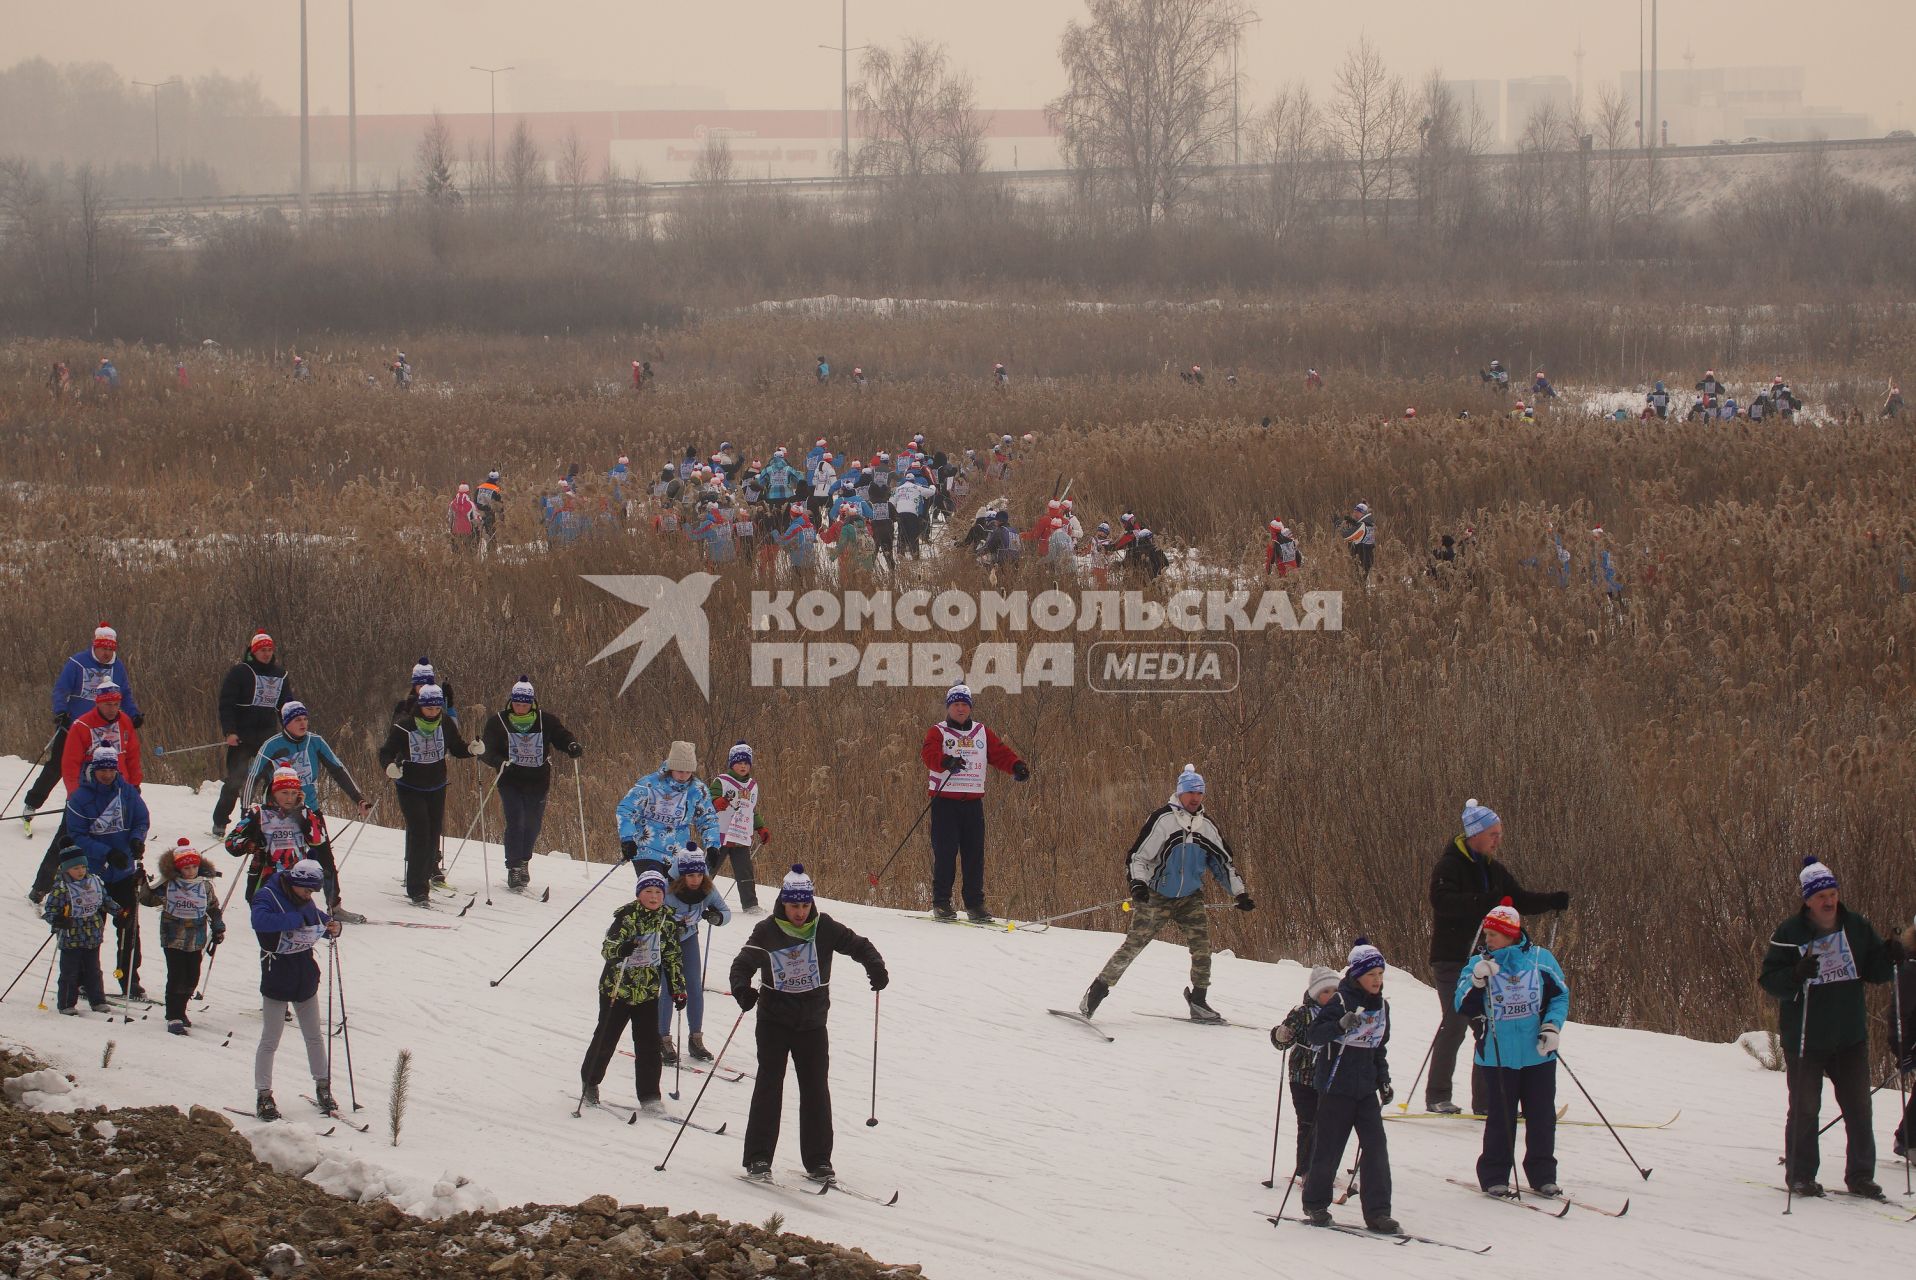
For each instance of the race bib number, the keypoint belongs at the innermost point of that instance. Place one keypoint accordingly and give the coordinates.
(91, 678)
(186, 899)
(304, 938)
(106, 735)
(266, 690)
(743, 528)
(1839, 963)
(645, 953)
(85, 897)
(526, 750)
(111, 819)
(1369, 1031)
(795, 969)
(1515, 996)
(664, 810)
(425, 748)
(881, 510)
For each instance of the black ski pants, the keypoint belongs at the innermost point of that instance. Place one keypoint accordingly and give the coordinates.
(614, 1017)
(1337, 1116)
(809, 1052)
(1848, 1070)
(958, 835)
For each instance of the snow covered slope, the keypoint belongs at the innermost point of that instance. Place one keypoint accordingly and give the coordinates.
(1020, 1144)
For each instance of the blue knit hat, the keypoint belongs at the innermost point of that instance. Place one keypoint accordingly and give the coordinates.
(1363, 958)
(958, 693)
(650, 880)
(691, 858)
(1815, 877)
(1478, 818)
(797, 886)
(291, 711)
(73, 859)
(422, 672)
(431, 695)
(1190, 780)
(741, 750)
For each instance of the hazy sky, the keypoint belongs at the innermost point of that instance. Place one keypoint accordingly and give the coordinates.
(414, 54)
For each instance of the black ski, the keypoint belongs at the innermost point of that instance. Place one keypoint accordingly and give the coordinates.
(786, 1187)
(1512, 1199)
(833, 1184)
(1399, 1238)
(1201, 1022)
(1072, 1015)
(632, 1114)
(334, 1114)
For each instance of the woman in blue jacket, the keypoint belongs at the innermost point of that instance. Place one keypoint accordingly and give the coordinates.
(289, 926)
(664, 812)
(690, 900)
(1351, 1031)
(1517, 997)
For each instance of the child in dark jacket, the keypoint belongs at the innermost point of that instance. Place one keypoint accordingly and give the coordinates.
(1351, 1030)
(76, 908)
(1288, 1035)
(190, 925)
(644, 968)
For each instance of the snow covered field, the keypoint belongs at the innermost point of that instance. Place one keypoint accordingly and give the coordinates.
(1020, 1144)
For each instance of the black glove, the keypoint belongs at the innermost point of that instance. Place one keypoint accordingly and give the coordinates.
(1559, 901)
(1140, 891)
(1385, 1093)
(61, 719)
(712, 915)
(950, 764)
(1021, 771)
(628, 849)
(118, 860)
(1807, 966)
(139, 720)
(139, 848)
(678, 999)
(213, 943)
(1282, 1037)
(1897, 951)
(574, 750)
(746, 997)
(1350, 1019)
(880, 978)
(1244, 902)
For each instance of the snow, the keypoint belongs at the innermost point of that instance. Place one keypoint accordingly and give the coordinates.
(1020, 1144)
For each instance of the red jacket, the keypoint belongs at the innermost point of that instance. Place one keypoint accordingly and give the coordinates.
(997, 755)
(79, 749)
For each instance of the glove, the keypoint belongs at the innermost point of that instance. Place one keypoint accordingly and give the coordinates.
(1559, 901)
(712, 916)
(1897, 951)
(722, 803)
(475, 747)
(628, 849)
(1244, 902)
(139, 848)
(1385, 1094)
(394, 772)
(746, 997)
(210, 871)
(213, 944)
(118, 860)
(678, 999)
(950, 764)
(1808, 965)
(1350, 1019)
(1140, 891)
(1021, 771)
(575, 750)
(764, 836)
(880, 978)
(139, 720)
(1547, 1040)
(1281, 1037)
(61, 719)
(1483, 971)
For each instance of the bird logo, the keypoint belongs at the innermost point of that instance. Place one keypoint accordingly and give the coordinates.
(674, 611)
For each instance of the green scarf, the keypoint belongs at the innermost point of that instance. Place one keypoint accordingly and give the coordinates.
(522, 723)
(428, 726)
(803, 932)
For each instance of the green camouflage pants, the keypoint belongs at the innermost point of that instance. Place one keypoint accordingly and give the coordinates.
(1148, 918)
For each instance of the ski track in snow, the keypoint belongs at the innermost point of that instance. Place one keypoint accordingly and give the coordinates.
(1020, 1146)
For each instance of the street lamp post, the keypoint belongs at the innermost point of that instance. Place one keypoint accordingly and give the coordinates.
(352, 103)
(492, 148)
(1241, 21)
(844, 49)
(305, 128)
(156, 87)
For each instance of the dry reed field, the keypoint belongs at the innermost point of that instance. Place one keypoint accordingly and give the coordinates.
(1668, 756)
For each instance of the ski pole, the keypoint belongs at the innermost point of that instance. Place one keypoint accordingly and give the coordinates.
(1039, 926)
(678, 1059)
(578, 786)
(556, 923)
(361, 821)
(52, 964)
(29, 773)
(1450, 1003)
(332, 956)
(1802, 1040)
(346, 1029)
(206, 979)
(23, 973)
(1350, 1188)
(873, 1122)
(187, 751)
(1277, 1126)
(1641, 1171)
(1288, 1188)
(475, 822)
(874, 876)
(1902, 1100)
(693, 1109)
(1874, 1090)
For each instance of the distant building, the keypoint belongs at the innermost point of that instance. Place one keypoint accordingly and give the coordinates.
(1488, 97)
(1710, 104)
(1532, 94)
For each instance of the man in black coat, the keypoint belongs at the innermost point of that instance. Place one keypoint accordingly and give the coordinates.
(1464, 885)
(250, 698)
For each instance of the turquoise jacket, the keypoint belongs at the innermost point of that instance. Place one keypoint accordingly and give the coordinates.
(1529, 990)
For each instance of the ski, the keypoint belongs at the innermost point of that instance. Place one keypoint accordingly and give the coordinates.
(1511, 1199)
(525, 891)
(730, 1075)
(996, 925)
(409, 924)
(1073, 1015)
(1200, 1022)
(335, 1115)
(786, 1187)
(1896, 1207)
(1597, 1208)
(317, 1133)
(1465, 1115)
(833, 1184)
(632, 1114)
(1397, 1238)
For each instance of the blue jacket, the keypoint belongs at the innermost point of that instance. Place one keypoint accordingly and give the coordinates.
(77, 910)
(1528, 991)
(780, 479)
(1351, 1063)
(1174, 849)
(288, 930)
(798, 539)
(716, 533)
(81, 675)
(307, 755)
(688, 912)
(662, 814)
(854, 501)
(104, 822)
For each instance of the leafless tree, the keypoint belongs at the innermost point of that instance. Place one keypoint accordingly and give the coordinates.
(962, 127)
(524, 168)
(1613, 130)
(1365, 111)
(571, 168)
(1288, 136)
(714, 167)
(896, 98)
(1147, 101)
(432, 163)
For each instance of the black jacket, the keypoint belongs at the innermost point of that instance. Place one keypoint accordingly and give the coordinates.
(799, 1010)
(422, 774)
(1349, 1070)
(249, 701)
(551, 736)
(1463, 889)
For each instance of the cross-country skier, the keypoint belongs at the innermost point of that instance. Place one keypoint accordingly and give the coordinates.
(108, 821)
(790, 953)
(306, 753)
(1177, 845)
(1816, 967)
(415, 754)
(250, 696)
(691, 900)
(104, 726)
(735, 799)
(956, 751)
(519, 741)
(73, 696)
(1360, 531)
(797, 538)
(643, 968)
(1352, 1032)
(1288, 1037)
(1903, 1041)
(1892, 403)
(1515, 994)
(76, 907)
(1283, 553)
(665, 811)
(423, 674)
(280, 830)
(289, 926)
(190, 925)
(462, 519)
(1710, 384)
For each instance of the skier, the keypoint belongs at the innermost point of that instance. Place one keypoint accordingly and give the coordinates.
(1097, 557)
(643, 961)
(822, 371)
(1540, 388)
(190, 925)
(402, 373)
(1658, 401)
(797, 538)
(1313, 380)
(1464, 885)
(1710, 385)
(780, 478)
(106, 377)
(1283, 553)
(1817, 963)
(490, 499)
(1893, 404)
(80, 678)
(1903, 1041)
(851, 532)
(515, 745)
(665, 811)
(306, 753)
(106, 818)
(423, 674)
(1178, 843)
(956, 751)
(279, 831)
(1517, 999)
(824, 480)
(910, 499)
(1361, 533)
(690, 899)
(999, 374)
(415, 754)
(791, 955)
(254, 690)
(1002, 545)
(1497, 378)
(76, 908)
(107, 725)
(735, 798)
(1352, 1031)
(462, 519)
(1288, 1037)
(289, 926)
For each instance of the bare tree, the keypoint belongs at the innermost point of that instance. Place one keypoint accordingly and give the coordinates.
(961, 126)
(714, 167)
(571, 168)
(1147, 101)
(432, 163)
(1614, 130)
(897, 102)
(1365, 101)
(1288, 136)
(525, 167)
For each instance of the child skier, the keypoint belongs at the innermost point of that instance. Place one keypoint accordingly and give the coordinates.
(791, 955)
(690, 899)
(1177, 845)
(306, 753)
(415, 754)
(1288, 1037)
(735, 797)
(278, 832)
(76, 908)
(643, 961)
(1518, 1000)
(190, 925)
(289, 926)
(1351, 1030)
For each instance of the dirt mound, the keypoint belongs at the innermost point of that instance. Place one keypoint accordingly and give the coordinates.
(154, 1194)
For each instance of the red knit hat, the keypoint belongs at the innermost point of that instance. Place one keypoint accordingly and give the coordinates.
(259, 641)
(185, 855)
(1503, 918)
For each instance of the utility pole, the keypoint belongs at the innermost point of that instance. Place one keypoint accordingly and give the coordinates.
(844, 49)
(352, 103)
(1656, 119)
(148, 84)
(1577, 105)
(492, 148)
(305, 128)
(1643, 110)
(1238, 23)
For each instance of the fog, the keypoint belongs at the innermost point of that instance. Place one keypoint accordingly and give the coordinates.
(599, 54)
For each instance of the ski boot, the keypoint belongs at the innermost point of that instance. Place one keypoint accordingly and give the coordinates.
(323, 1096)
(1808, 1188)
(695, 1045)
(1444, 1108)
(943, 911)
(1318, 1217)
(347, 917)
(978, 915)
(1865, 1187)
(668, 1050)
(1549, 1191)
(176, 1028)
(652, 1107)
(218, 829)
(822, 1173)
(589, 1096)
(265, 1108)
(1200, 1010)
(759, 1171)
(1384, 1225)
(1093, 997)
